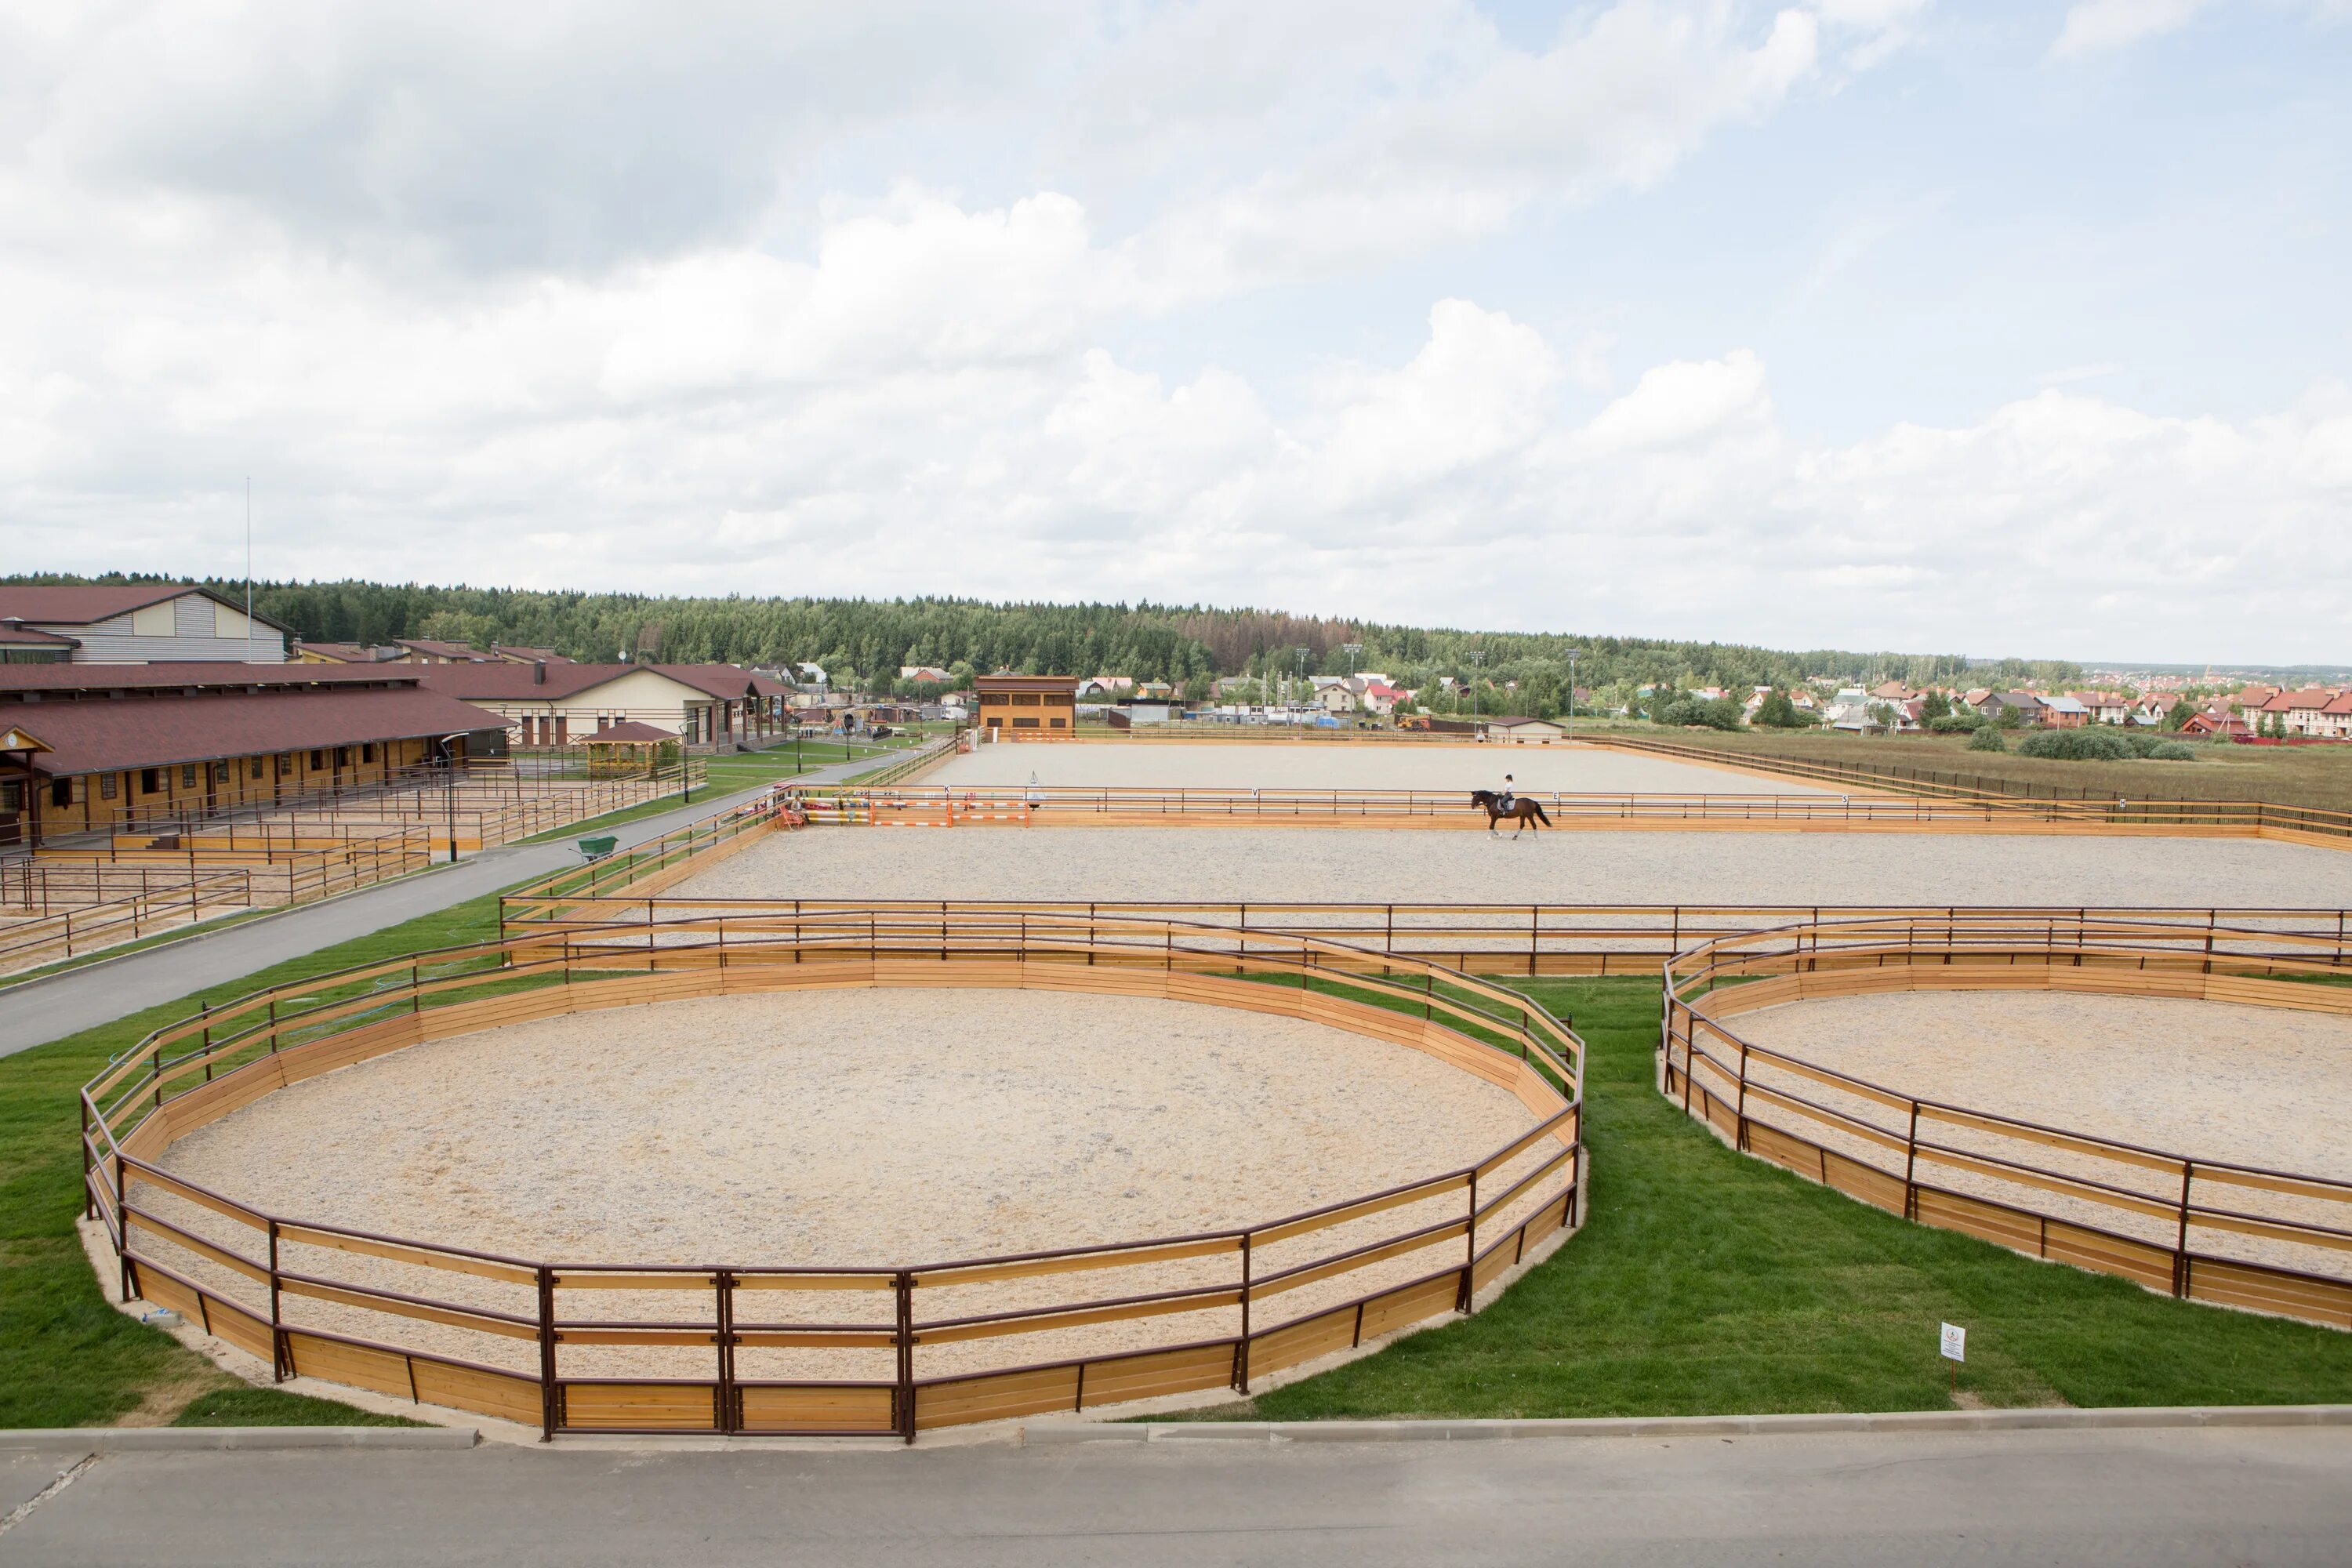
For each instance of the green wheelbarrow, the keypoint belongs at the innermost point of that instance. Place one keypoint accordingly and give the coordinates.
(597, 848)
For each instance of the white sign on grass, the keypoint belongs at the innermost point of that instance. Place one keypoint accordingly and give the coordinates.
(1956, 1342)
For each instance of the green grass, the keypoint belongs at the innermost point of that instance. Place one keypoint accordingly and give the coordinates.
(1703, 1282)
(1707, 1281)
(245, 1406)
(67, 1358)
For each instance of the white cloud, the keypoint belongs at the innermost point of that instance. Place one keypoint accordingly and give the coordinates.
(2096, 26)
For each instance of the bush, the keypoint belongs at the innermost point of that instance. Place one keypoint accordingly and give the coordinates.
(2085, 745)
(1988, 739)
(1716, 713)
(2173, 751)
(1956, 723)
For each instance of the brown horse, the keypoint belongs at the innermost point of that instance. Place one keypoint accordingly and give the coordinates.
(1525, 810)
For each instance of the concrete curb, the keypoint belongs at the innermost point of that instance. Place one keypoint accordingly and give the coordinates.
(1892, 1421)
(189, 1440)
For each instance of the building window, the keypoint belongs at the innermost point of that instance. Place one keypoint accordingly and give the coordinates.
(220, 772)
(252, 768)
(150, 780)
(106, 786)
(187, 776)
(367, 752)
(318, 761)
(12, 796)
(285, 763)
(1027, 700)
(1024, 724)
(1057, 723)
(61, 791)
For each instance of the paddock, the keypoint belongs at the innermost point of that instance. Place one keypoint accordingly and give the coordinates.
(1284, 865)
(1277, 765)
(829, 1182)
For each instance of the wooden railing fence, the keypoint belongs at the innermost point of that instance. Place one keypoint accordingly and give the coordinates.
(767, 1347)
(2184, 1224)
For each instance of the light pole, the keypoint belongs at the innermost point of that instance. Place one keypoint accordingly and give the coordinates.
(1572, 691)
(1478, 657)
(449, 787)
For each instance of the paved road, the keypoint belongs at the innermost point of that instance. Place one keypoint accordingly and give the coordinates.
(2150, 1498)
(81, 999)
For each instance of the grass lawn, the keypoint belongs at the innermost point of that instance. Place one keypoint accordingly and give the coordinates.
(1708, 1281)
(1703, 1281)
(67, 1358)
(2318, 777)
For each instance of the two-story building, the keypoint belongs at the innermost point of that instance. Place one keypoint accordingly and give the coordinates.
(1014, 703)
(139, 623)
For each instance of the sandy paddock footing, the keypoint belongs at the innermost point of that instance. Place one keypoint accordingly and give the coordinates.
(2264, 1087)
(852, 1128)
(1264, 764)
(1404, 865)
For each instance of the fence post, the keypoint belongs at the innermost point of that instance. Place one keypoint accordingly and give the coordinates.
(281, 1359)
(903, 1286)
(547, 1389)
(121, 1226)
(1242, 1349)
(1470, 1251)
(2181, 1238)
(1910, 1165)
(727, 1411)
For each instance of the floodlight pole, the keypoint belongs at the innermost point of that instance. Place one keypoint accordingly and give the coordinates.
(1572, 691)
(449, 787)
(1478, 657)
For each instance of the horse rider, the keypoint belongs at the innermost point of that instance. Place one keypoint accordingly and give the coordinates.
(1506, 799)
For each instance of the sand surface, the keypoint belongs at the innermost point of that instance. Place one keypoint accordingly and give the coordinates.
(2264, 1087)
(1339, 765)
(1307, 865)
(885, 1128)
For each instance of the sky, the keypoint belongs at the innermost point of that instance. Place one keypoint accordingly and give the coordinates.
(2002, 329)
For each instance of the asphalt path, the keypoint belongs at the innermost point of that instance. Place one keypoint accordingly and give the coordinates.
(2275, 1495)
(35, 1011)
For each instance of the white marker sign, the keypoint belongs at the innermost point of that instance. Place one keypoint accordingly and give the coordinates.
(1956, 1342)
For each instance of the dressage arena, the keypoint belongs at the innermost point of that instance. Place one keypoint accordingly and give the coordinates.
(799, 1126)
(1337, 764)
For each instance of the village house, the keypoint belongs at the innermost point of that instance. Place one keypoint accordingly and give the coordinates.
(2315, 712)
(558, 704)
(924, 674)
(2105, 707)
(94, 747)
(2216, 722)
(2061, 711)
(145, 623)
(2024, 704)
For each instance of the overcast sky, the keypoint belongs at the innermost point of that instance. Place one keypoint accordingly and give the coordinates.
(1964, 327)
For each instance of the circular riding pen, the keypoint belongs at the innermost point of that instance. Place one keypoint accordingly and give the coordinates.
(834, 1346)
(2202, 1223)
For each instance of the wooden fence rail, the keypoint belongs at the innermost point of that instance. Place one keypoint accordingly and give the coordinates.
(835, 1349)
(2180, 1223)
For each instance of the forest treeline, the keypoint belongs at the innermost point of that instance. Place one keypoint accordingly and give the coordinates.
(873, 637)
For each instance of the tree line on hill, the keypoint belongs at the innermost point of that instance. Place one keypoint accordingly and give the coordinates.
(868, 640)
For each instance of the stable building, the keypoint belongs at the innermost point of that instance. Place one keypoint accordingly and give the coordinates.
(97, 747)
(1017, 703)
(561, 704)
(141, 622)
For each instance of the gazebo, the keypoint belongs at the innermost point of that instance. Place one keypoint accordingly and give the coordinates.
(627, 748)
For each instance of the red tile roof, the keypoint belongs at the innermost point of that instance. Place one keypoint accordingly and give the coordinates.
(198, 673)
(516, 682)
(80, 604)
(629, 731)
(157, 731)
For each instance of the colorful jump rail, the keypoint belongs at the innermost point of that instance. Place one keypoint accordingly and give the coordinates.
(821, 1349)
(2177, 1222)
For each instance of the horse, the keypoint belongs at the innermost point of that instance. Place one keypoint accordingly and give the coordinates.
(1525, 809)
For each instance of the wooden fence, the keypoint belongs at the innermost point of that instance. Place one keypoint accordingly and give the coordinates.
(830, 1348)
(609, 902)
(2200, 1228)
(2267, 819)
